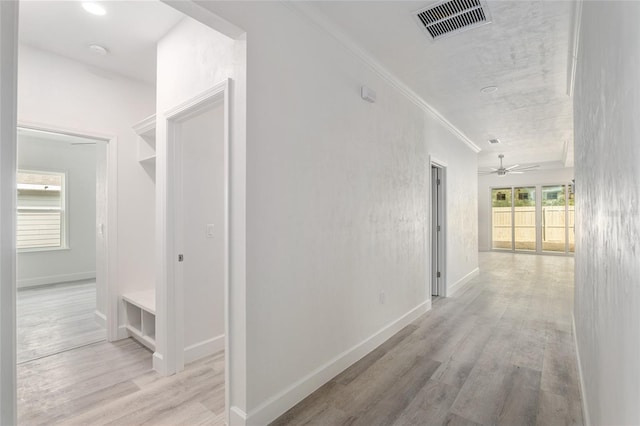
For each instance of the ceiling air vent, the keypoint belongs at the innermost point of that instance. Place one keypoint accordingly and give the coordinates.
(494, 141)
(450, 17)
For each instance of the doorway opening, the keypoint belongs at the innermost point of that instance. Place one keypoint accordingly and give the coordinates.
(438, 230)
(61, 206)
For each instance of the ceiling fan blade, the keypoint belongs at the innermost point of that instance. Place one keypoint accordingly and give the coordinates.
(485, 172)
(512, 167)
(515, 172)
(495, 170)
(529, 167)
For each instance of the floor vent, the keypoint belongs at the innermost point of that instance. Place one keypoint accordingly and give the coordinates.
(450, 17)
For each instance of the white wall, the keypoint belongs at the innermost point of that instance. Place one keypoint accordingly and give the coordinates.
(202, 139)
(461, 198)
(607, 156)
(54, 92)
(337, 206)
(486, 182)
(78, 162)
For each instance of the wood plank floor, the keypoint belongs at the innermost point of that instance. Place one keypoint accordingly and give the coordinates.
(500, 352)
(54, 318)
(113, 383)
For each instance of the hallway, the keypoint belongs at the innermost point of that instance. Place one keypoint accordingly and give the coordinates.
(501, 351)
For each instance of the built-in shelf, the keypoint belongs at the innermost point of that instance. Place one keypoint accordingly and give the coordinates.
(141, 316)
(146, 131)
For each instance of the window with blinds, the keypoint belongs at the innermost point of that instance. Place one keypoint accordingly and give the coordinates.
(41, 215)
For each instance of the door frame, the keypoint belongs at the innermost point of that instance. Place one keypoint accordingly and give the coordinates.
(442, 213)
(109, 262)
(169, 356)
(8, 168)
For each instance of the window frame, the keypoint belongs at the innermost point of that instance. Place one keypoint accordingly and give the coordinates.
(64, 209)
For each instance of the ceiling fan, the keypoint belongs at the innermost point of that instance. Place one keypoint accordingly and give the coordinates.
(503, 171)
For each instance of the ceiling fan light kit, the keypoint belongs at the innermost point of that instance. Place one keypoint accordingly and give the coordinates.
(503, 171)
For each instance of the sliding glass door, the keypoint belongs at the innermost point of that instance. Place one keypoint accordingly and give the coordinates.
(501, 219)
(524, 215)
(522, 221)
(554, 215)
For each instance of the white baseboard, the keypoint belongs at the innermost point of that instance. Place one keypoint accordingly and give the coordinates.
(158, 364)
(585, 408)
(237, 417)
(55, 279)
(281, 402)
(100, 318)
(452, 288)
(123, 333)
(204, 348)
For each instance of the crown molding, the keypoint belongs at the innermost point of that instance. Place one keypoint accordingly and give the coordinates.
(322, 22)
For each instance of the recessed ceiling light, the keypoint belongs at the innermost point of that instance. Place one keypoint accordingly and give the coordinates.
(94, 8)
(98, 50)
(489, 89)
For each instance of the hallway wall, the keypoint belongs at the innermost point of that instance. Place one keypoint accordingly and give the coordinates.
(337, 207)
(607, 155)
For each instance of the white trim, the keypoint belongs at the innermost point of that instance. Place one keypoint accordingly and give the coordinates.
(101, 319)
(146, 125)
(56, 279)
(8, 167)
(585, 407)
(574, 47)
(122, 333)
(442, 204)
(320, 21)
(237, 417)
(453, 288)
(284, 400)
(205, 348)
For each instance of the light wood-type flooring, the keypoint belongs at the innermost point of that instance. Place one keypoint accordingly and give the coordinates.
(114, 384)
(500, 352)
(54, 318)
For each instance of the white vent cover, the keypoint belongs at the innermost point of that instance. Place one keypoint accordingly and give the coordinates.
(450, 17)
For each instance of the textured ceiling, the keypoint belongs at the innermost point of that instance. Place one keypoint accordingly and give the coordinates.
(130, 30)
(524, 51)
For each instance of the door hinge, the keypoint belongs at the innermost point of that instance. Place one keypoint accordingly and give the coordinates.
(438, 274)
(438, 228)
(438, 182)
(180, 258)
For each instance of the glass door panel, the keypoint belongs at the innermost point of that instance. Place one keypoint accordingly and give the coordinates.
(524, 215)
(501, 232)
(553, 218)
(572, 223)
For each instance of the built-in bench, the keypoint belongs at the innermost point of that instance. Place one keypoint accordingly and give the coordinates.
(141, 316)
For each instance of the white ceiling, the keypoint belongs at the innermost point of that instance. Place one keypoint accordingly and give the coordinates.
(129, 30)
(524, 51)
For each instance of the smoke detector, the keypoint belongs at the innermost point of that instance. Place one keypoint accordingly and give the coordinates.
(450, 17)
